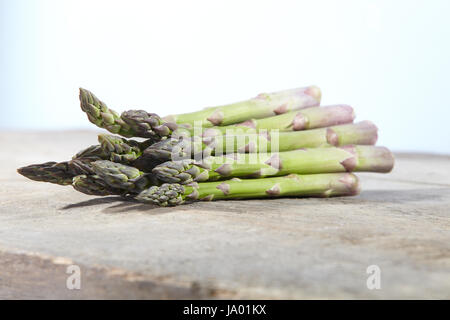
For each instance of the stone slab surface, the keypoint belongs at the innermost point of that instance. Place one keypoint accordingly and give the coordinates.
(281, 248)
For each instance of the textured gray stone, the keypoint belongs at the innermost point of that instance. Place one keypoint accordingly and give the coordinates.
(281, 248)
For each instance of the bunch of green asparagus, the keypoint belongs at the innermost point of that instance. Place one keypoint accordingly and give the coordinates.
(281, 144)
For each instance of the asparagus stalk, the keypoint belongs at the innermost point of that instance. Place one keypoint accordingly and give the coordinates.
(177, 148)
(308, 118)
(139, 123)
(305, 161)
(123, 177)
(133, 123)
(293, 185)
(262, 106)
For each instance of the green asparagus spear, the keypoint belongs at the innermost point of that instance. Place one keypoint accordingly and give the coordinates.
(123, 177)
(293, 185)
(362, 133)
(262, 106)
(139, 123)
(305, 161)
(308, 118)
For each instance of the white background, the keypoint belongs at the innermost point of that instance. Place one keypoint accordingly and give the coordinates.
(390, 60)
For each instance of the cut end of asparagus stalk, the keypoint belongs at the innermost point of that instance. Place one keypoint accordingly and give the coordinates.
(368, 132)
(314, 92)
(369, 159)
(327, 116)
(361, 133)
(282, 102)
(347, 185)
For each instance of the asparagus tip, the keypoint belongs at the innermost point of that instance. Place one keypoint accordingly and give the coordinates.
(165, 195)
(92, 185)
(52, 172)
